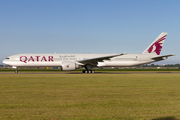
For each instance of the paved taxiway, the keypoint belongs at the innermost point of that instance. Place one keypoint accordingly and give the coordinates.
(92, 73)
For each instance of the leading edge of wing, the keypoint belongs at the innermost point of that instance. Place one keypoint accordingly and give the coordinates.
(99, 59)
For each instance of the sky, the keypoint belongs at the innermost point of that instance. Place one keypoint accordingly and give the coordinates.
(88, 26)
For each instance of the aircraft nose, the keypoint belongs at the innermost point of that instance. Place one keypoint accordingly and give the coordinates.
(5, 61)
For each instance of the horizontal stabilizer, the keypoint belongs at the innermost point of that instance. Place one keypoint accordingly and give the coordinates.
(163, 57)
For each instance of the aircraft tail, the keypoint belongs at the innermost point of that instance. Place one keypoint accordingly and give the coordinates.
(157, 44)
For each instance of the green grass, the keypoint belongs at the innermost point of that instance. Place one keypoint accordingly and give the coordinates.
(89, 96)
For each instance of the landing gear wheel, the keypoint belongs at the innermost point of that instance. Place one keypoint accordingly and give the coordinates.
(16, 72)
(88, 71)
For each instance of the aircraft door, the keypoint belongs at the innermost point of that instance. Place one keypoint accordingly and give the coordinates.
(139, 58)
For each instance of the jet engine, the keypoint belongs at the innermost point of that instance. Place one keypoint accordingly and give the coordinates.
(67, 66)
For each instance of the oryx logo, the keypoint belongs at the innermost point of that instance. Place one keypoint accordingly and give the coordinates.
(157, 46)
(67, 66)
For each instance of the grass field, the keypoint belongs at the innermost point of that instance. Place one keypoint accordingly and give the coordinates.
(89, 96)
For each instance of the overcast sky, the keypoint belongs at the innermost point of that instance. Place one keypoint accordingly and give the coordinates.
(88, 26)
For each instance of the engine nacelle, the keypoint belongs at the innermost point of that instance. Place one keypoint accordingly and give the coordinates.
(68, 66)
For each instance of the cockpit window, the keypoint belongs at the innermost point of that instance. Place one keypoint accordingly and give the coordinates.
(7, 58)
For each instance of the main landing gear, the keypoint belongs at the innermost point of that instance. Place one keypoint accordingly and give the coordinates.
(88, 69)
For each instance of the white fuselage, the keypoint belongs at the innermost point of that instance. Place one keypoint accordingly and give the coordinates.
(55, 60)
(73, 61)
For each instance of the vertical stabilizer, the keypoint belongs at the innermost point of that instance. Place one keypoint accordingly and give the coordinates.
(157, 45)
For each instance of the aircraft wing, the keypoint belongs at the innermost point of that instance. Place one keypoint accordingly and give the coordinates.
(163, 57)
(99, 59)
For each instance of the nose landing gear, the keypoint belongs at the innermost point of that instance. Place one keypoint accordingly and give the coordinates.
(16, 71)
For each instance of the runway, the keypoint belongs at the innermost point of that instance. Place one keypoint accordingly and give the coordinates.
(141, 72)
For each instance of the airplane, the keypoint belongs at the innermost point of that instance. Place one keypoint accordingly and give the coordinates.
(69, 62)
